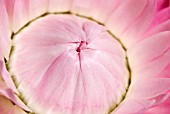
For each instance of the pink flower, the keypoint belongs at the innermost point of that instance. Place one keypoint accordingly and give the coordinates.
(85, 56)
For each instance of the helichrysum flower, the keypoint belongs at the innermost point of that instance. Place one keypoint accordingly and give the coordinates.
(85, 56)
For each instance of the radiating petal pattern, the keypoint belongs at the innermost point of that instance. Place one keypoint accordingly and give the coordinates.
(153, 61)
(62, 56)
(130, 27)
(73, 62)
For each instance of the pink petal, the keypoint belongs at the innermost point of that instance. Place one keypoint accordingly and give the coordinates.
(93, 35)
(27, 10)
(63, 79)
(161, 17)
(160, 23)
(6, 76)
(133, 106)
(60, 5)
(149, 88)
(100, 10)
(8, 88)
(165, 72)
(5, 31)
(154, 56)
(10, 8)
(130, 26)
(66, 33)
(37, 8)
(163, 108)
(118, 23)
(20, 14)
(161, 4)
(144, 95)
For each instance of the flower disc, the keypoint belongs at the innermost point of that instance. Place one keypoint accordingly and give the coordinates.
(65, 64)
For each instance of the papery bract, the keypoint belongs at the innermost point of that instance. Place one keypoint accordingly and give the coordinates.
(85, 56)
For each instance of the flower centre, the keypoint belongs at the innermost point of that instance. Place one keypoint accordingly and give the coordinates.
(68, 64)
(81, 46)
